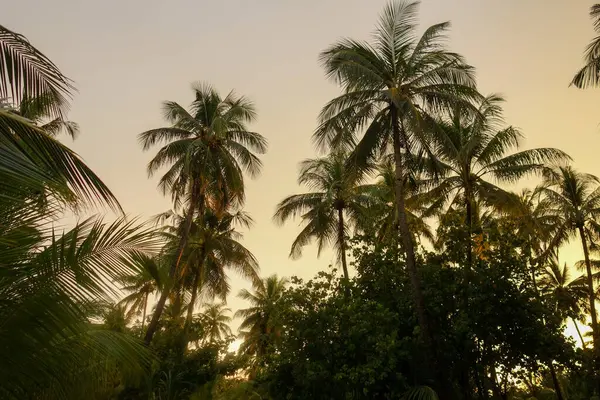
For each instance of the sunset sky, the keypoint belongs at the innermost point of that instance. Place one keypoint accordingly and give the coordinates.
(127, 56)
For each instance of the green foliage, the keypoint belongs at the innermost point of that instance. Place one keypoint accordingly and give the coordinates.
(367, 345)
(336, 203)
(480, 315)
(589, 74)
(262, 325)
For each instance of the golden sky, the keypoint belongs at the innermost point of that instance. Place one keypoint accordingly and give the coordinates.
(127, 56)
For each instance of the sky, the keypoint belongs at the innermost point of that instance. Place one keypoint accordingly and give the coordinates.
(126, 57)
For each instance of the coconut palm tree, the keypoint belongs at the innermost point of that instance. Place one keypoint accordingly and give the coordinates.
(532, 220)
(473, 153)
(390, 88)
(383, 209)
(574, 199)
(214, 247)
(569, 295)
(140, 286)
(216, 321)
(336, 203)
(534, 225)
(261, 327)
(589, 75)
(206, 151)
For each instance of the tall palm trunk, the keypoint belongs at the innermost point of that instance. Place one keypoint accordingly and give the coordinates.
(555, 381)
(342, 241)
(404, 229)
(592, 295)
(469, 221)
(578, 333)
(160, 306)
(408, 245)
(144, 311)
(197, 278)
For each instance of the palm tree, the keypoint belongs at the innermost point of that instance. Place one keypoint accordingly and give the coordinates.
(116, 318)
(532, 221)
(574, 198)
(49, 280)
(589, 75)
(568, 295)
(261, 327)
(31, 160)
(216, 321)
(206, 151)
(336, 203)
(390, 87)
(141, 285)
(472, 151)
(214, 247)
(383, 208)
(534, 225)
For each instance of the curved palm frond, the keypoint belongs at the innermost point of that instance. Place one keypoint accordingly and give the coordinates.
(589, 74)
(50, 289)
(27, 72)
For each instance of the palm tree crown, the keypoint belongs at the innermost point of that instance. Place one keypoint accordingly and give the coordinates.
(390, 87)
(140, 286)
(216, 321)
(336, 203)
(473, 150)
(383, 214)
(574, 198)
(213, 248)
(567, 293)
(209, 145)
(261, 327)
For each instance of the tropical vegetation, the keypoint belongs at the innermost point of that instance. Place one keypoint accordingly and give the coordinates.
(446, 283)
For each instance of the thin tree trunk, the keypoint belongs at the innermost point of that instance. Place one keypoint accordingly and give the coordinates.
(409, 250)
(144, 312)
(195, 286)
(555, 381)
(469, 207)
(579, 333)
(481, 390)
(153, 325)
(342, 241)
(534, 280)
(405, 231)
(495, 384)
(590, 283)
(196, 283)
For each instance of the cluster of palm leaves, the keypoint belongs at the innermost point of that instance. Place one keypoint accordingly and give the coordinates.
(411, 115)
(53, 278)
(409, 143)
(206, 151)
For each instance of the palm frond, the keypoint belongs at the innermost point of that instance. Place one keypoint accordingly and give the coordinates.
(27, 72)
